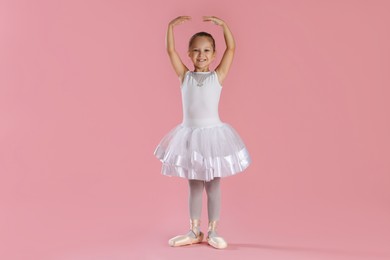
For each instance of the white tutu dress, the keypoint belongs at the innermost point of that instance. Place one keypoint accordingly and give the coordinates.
(202, 147)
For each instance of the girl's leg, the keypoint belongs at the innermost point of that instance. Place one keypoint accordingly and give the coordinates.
(195, 205)
(213, 190)
(214, 205)
(195, 199)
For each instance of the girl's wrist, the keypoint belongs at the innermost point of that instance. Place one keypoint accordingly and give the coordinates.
(223, 24)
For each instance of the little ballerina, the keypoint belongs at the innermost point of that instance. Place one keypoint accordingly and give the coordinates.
(202, 149)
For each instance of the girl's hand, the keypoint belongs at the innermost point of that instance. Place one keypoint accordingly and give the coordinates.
(179, 20)
(213, 19)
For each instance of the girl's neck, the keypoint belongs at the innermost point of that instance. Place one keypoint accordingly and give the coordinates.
(201, 69)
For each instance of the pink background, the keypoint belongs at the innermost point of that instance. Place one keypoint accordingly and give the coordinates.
(87, 92)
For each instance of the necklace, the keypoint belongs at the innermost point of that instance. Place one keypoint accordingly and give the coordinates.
(200, 77)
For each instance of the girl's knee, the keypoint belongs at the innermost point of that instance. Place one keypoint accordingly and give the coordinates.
(213, 185)
(196, 184)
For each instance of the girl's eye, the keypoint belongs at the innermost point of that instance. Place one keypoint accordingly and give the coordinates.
(206, 50)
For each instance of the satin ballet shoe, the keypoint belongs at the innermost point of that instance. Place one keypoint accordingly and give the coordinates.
(215, 241)
(183, 240)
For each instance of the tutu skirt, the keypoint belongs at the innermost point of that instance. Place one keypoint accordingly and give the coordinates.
(202, 153)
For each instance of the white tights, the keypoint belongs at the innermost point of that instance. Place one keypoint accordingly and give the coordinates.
(213, 198)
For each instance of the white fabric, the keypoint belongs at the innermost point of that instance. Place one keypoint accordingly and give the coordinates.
(213, 192)
(196, 188)
(202, 147)
(200, 103)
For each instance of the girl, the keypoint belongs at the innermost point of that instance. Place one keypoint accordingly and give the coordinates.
(202, 149)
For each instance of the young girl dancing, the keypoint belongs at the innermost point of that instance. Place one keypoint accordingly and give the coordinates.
(202, 149)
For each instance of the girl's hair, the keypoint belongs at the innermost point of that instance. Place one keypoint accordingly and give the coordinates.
(200, 34)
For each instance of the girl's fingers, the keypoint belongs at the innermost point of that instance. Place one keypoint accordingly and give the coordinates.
(210, 18)
(180, 19)
(213, 19)
(184, 18)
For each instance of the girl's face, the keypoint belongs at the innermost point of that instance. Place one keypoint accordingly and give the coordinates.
(201, 53)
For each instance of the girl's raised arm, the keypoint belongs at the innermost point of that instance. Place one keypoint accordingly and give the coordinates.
(177, 64)
(227, 58)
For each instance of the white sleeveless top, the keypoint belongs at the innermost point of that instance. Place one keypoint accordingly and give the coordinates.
(200, 98)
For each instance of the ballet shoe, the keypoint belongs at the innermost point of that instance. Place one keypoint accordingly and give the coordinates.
(183, 240)
(215, 241)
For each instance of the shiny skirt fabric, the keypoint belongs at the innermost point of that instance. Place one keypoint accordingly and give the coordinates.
(202, 153)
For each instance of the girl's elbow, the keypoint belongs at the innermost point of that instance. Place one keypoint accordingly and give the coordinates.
(231, 49)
